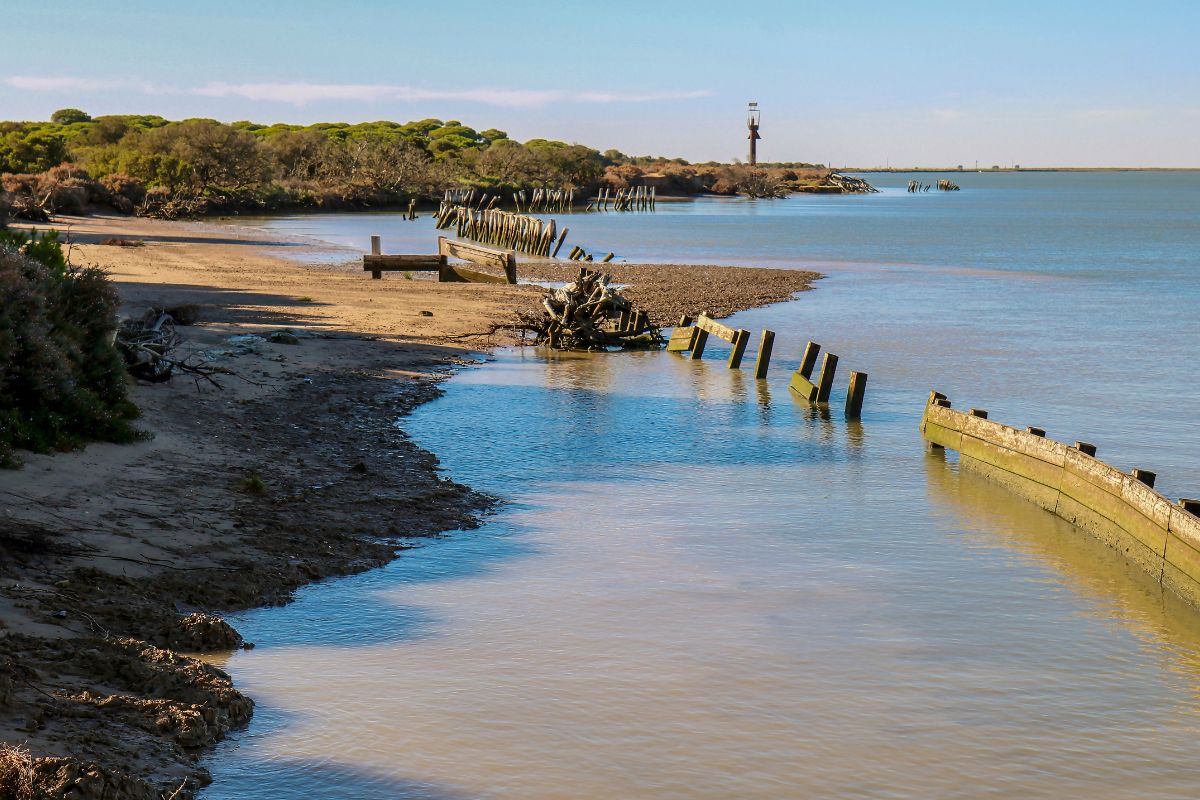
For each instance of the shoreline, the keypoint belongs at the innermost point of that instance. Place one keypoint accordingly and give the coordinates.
(121, 557)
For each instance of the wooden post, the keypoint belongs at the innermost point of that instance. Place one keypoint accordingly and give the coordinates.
(978, 412)
(855, 394)
(561, 237)
(376, 250)
(1190, 506)
(1036, 431)
(809, 360)
(1086, 448)
(740, 340)
(699, 339)
(510, 268)
(825, 384)
(1144, 475)
(763, 362)
(607, 258)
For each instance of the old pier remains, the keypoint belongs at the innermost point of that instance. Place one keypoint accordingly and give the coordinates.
(1121, 509)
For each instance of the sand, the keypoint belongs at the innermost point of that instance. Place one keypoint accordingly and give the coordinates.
(115, 560)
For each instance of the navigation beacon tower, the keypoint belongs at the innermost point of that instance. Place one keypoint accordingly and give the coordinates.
(752, 118)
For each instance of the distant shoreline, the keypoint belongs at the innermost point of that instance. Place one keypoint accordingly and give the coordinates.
(879, 170)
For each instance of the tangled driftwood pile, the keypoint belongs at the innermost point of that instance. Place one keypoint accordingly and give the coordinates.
(589, 314)
(850, 184)
(148, 344)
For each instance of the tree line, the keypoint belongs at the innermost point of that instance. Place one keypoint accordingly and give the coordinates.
(132, 161)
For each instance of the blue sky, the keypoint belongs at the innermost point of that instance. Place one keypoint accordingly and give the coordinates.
(860, 83)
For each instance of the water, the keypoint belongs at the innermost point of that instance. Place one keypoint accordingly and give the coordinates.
(700, 588)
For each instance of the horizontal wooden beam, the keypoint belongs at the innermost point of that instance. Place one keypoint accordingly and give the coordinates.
(453, 273)
(709, 325)
(417, 263)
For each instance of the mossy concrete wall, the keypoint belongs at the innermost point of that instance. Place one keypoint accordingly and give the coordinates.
(1159, 536)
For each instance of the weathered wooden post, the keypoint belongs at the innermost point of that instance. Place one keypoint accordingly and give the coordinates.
(1144, 475)
(699, 339)
(1087, 448)
(1190, 506)
(561, 237)
(1036, 431)
(740, 340)
(376, 250)
(809, 359)
(825, 384)
(763, 362)
(855, 394)
(978, 412)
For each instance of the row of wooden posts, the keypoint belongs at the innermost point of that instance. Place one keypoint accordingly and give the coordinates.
(579, 254)
(543, 200)
(527, 234)
(943, 185)
(636, 198)
(503, 228)
(546, 200)
(691, 335)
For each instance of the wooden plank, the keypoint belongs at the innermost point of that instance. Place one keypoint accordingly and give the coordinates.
(803, 386)
(709, 325)
(414, 263)
(681, 340)
(699, 342)
(476, 254)
(452, 273)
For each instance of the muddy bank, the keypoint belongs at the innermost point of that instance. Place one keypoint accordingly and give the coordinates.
(236, 502)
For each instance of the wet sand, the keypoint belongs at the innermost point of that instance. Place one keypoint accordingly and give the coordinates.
(117, 558)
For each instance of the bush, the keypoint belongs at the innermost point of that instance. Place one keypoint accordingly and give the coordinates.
(121, 185)
(62, 380)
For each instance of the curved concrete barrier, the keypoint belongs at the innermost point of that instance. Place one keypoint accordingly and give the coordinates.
(1121, 509)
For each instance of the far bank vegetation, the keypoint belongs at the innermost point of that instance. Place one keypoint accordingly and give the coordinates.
(151, 166)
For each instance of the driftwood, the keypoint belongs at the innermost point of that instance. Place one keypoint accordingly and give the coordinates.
(589, 314)
(849, 184)
(147, 344)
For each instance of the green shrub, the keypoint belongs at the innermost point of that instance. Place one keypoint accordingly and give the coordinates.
(62, 381)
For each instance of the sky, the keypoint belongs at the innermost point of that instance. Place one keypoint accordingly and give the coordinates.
(844, 82)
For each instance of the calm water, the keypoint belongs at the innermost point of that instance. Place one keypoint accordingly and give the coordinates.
(701, 589)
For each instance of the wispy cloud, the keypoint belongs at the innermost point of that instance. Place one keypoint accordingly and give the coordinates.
(38, 84)
(948, 114)
(300, 94)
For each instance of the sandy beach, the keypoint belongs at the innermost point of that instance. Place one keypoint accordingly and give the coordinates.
(119, 559)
